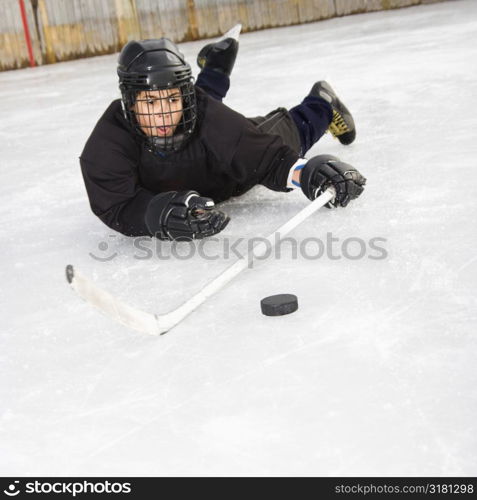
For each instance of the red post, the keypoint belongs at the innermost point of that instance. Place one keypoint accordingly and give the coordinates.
(26, 30)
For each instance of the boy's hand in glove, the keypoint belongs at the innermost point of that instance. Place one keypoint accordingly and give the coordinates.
(183, 216)
(323, 171)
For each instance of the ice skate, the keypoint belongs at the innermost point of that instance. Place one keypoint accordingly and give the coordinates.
(342, 125)
(219, 56)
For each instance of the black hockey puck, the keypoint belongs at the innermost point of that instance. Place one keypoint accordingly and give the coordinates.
(279, 305)
(70, 274)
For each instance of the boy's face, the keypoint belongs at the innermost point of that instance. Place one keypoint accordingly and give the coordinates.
(158, 112)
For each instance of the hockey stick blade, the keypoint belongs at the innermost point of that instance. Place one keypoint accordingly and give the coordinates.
(111, 306)
(155, 324)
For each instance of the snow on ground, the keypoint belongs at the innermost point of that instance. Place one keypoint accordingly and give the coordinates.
(375, 374)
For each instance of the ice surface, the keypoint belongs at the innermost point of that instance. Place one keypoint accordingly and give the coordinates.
(375, 374)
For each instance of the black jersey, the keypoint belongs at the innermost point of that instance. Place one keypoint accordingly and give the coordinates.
(227, 156)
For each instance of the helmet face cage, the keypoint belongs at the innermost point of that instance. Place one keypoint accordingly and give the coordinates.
(164, 116)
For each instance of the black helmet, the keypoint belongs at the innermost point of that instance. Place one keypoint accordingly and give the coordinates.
(157, 66)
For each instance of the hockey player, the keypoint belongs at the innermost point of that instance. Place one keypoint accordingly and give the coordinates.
(161, 157)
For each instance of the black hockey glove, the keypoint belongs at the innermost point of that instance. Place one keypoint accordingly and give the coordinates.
(323, 171)
(183, 216)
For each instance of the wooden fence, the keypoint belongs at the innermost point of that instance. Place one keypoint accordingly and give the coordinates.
(69, 29)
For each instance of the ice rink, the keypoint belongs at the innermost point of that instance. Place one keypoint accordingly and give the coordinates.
(375, 374)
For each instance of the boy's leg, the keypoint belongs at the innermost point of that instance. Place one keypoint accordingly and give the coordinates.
(216, 61)
(213, 83)
(280, 122)
(312, 118)
(322, 110)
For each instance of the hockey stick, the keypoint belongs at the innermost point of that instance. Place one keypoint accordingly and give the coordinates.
(155, 324)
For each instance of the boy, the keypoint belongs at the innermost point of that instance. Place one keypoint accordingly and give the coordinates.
(167, 140)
